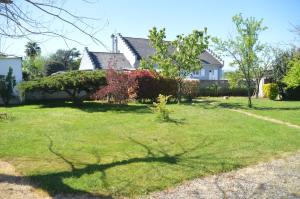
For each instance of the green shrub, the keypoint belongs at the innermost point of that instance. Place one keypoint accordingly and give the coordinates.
(270, 91)
(72, 83)
(161, 107)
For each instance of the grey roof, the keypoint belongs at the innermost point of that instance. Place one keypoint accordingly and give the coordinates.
(106, 60)
(143, 49)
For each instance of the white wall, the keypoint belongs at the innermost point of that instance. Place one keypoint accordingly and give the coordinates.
(86, 62)
(205, 74)
(15, 64)
(261, 85)
(130, 56)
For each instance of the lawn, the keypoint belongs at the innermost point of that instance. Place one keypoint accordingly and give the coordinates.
(288, 111)
(115, 150)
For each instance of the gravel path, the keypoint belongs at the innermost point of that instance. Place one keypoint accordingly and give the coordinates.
(275, 179)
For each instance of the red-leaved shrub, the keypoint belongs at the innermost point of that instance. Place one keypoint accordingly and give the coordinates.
(120, 88)
(139, 84)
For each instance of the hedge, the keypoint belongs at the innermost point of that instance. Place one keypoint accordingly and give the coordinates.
(293, 93)
(150, 85)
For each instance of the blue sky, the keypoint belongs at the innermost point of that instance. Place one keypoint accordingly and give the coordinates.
(135, 17)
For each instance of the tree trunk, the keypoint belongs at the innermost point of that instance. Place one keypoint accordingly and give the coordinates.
(179, 92)
(257, 88)
(249, 95)
(74, 96)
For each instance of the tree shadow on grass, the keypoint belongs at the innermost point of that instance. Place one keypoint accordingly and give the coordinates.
(54, 183)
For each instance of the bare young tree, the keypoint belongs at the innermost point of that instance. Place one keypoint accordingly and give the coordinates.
(26, 18)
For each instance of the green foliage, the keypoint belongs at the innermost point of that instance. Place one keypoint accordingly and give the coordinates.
(270, 91)
(68, 58)
(72, 83)
(53, 67)
(34, 67)
(32, 49)
(292, 78)
(161, 107)
(7, 84)
(235, 79)
(146, 65)
(243, 48)
(180, 57)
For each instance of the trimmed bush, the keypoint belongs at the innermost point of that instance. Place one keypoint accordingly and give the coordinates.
(270, 91)
(72, 83)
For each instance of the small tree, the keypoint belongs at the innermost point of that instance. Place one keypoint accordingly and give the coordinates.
(7, 84)
(280, 67)
(68, 58)
(180, 57)
(244, 47)
(161, 107)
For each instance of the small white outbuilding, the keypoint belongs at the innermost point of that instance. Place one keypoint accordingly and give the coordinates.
(15, 63)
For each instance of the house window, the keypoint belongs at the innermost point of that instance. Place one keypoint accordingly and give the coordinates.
(196, 72)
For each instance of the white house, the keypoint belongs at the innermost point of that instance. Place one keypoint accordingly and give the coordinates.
(127, 52)
(15, 63)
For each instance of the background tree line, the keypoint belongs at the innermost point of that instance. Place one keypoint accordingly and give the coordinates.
(35, 65)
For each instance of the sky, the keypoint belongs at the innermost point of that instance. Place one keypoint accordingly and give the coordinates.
(134, 18)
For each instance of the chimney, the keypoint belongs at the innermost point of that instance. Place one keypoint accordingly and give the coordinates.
(113, 43)
(114, 39)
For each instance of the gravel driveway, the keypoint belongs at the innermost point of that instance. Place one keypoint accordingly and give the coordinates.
(275, 179)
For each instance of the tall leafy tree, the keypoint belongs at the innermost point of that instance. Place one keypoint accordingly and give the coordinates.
(280, 68)
(292, 78)
(243, 48)
(68, 58)
(180, 57)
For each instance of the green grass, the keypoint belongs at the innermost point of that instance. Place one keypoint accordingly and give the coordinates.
(288, 111)
(125, 151)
